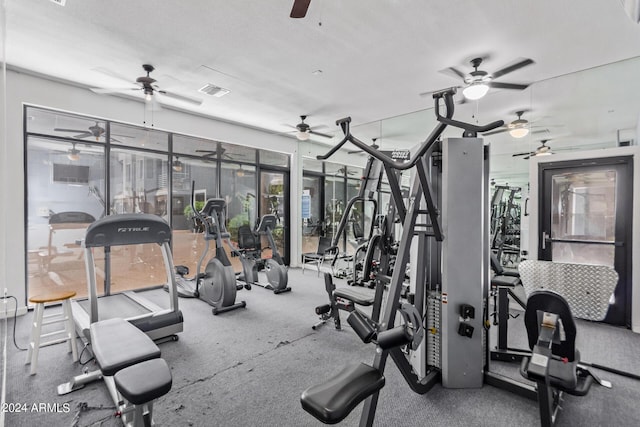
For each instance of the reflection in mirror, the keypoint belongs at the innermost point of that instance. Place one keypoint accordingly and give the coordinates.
(65, 187)
(134, 136)
(238, 153)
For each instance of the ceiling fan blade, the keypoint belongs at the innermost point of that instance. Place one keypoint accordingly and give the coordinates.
(355, 151)
(179, 97)
(82, 135)
(112, 73)
(69, 130)
(300, 8)
(496, 131)
(527, 158)
(528, 153)
(512, 68)
(431, 92)
(103, 90)
(515, 86)
(453, 72)
(320, 134)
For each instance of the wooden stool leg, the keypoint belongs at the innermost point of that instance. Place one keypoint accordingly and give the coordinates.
(36, 338)
(70, 329)
(32, 335)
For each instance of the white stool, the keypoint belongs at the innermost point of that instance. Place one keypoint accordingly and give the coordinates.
(39, 320)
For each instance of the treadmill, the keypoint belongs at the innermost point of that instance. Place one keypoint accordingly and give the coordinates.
(121, 230)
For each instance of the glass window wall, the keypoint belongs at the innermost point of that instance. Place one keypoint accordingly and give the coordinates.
(148, 171)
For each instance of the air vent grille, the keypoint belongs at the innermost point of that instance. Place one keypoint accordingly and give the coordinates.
(213, 90)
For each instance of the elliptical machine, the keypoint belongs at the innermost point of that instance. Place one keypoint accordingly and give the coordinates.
(250, 257)
(217, 285)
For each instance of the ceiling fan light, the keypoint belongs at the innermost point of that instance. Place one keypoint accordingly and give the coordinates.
(475, 90)
(302, 136)
(73, 156)
(544, 153)
(177, 166)
(519, 132)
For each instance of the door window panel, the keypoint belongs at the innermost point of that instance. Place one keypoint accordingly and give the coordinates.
(312, 224)
(272, 201)
(584, 206)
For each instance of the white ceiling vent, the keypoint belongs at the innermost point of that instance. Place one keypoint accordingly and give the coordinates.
(214, 90)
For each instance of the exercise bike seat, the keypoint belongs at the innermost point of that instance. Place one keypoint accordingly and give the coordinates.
(358, 296)
(118, 344)
(333, 400)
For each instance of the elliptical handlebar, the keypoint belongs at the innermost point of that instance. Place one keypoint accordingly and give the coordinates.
(447, 96)
(196, 213)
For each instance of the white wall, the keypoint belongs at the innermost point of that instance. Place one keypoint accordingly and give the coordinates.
(23, 88)
(635, 238)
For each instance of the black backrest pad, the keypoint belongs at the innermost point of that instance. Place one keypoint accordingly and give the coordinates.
(495, 264)
(127, 229)
(246, 238)
(551, 302)
(117, 344)
(324, 243)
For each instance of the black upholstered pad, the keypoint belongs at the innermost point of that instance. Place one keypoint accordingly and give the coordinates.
(359, 296)
(145, 381)
(333, 400)
(117, 344)
(562, 374)
(507, 281)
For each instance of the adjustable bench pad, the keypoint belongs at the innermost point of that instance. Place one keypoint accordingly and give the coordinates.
(118, 344)
(333, 400)
(505, 281)
(359, 296)
(145, 381)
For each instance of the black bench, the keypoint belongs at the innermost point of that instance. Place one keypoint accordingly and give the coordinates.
(131, 365)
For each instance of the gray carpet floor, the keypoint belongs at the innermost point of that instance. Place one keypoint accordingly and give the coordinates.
(248, 367)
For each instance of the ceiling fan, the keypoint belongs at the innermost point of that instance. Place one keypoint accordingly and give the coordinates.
(304, 130)
(73, 153)
(373, 145)
(519, 128)
(478, 82)
(542, 150)
(299, 9)
(147, 85)
(212, 154)
(96, 131)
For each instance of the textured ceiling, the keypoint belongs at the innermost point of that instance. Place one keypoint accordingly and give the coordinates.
(375, 59)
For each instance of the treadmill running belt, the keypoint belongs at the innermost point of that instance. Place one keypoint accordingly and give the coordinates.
(116, 305)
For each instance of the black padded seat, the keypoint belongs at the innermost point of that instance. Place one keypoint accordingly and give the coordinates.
(333, 400)
(505, 281)
(144, 382)
(358, 296)
(118, 344)
(563, 375)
